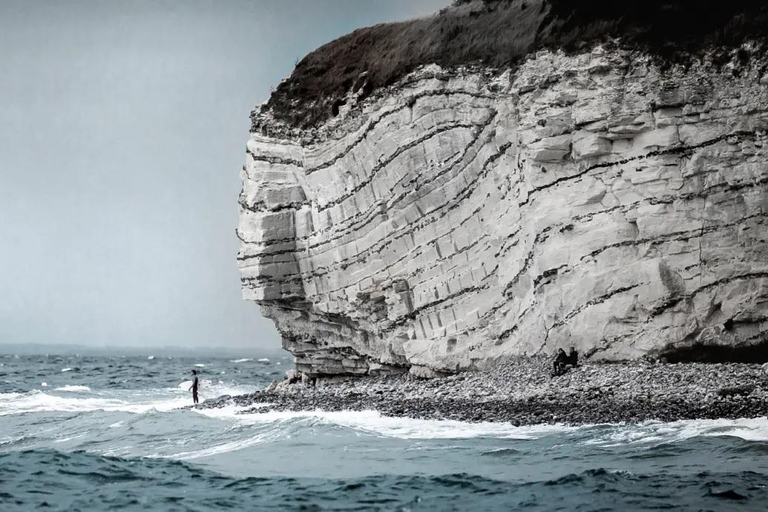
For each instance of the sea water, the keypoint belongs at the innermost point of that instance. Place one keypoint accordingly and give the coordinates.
(100, 433)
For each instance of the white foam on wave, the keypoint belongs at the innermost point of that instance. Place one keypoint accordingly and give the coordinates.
(38, 401)
(232, 446)
(273, 426)
(9, 440)
(264, 360)
(74, 389)
(372, 422)
(244, 360)
(229, 412)
(226, 413)
(200, 365)
(64, 370)
(654, 432)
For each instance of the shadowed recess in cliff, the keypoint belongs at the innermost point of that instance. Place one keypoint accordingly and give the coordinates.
(499, 34)
(702, 353)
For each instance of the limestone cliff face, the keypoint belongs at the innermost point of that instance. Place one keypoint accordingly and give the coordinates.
(593, 200)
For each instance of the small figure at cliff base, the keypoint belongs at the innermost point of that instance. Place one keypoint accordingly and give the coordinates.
(559, 363)
(562, 361)
(572, 358)
(194, 387)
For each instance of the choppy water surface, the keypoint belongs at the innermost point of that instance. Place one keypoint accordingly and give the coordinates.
(106, 433)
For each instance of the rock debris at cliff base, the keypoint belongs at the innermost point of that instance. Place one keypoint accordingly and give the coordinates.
(523, 392)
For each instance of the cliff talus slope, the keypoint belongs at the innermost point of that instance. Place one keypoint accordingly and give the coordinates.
(600, 199)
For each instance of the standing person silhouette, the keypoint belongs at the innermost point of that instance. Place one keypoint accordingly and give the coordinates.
(194, 387)
(573, 358)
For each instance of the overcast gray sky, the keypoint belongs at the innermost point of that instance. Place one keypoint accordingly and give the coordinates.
(122, 131)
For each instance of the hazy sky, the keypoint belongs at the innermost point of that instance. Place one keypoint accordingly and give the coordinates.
(123, 130)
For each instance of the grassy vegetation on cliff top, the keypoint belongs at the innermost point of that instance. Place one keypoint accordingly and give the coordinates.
(499, 34)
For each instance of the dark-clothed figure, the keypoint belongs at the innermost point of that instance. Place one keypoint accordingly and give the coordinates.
(194, 387)
(573, 358)
(560, 362)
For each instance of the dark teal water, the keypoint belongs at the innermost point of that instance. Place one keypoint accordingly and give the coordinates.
(107, 435)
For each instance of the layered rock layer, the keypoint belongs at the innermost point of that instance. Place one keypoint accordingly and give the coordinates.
(460, 217)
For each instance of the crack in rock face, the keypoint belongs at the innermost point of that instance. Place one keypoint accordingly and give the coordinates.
(460, 217)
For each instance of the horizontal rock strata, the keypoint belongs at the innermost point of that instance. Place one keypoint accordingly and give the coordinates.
(461, 217)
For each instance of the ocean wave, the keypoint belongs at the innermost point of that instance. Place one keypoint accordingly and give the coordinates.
(244, 360)
(375, 423)
(38, 401)
(8, 441)
(229, 447)
(165, 482)
(61, 398)
(272, 426)
(656, 432)
(501, 452)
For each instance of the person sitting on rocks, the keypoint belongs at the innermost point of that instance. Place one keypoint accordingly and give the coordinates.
(572, 359)
(560, 362)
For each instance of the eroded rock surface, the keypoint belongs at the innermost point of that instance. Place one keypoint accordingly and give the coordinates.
(462, 217)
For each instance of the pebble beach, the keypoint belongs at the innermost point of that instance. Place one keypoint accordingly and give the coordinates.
(524, 392)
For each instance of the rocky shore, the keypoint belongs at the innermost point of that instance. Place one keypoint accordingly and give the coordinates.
(523, 392)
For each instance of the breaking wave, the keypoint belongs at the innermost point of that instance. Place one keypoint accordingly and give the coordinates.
(39, 402)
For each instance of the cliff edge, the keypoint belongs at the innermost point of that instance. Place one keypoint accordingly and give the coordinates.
(510, 177)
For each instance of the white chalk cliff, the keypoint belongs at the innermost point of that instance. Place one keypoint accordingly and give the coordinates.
(599, 200)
